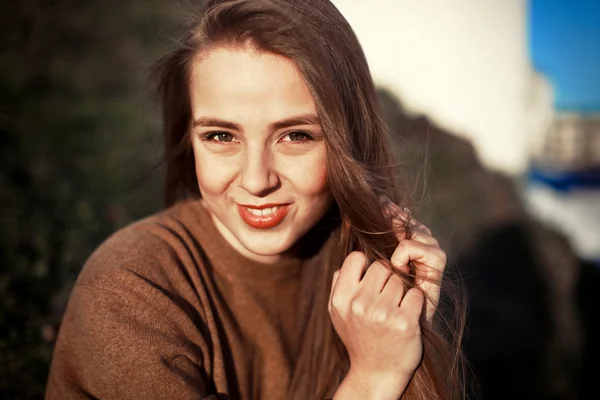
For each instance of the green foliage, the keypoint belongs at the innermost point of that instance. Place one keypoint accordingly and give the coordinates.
(78, 138)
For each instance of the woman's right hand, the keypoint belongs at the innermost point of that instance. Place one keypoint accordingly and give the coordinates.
(380, 326)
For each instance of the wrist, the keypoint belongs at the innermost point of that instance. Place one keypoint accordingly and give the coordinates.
(372, 386)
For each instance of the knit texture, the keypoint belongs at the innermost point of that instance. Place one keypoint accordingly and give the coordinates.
(167, 309)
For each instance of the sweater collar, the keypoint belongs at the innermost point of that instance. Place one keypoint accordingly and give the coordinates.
(227, 260)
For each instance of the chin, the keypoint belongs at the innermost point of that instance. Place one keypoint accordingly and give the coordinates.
(262, 246)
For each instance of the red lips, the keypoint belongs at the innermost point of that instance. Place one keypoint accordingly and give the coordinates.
(269, 220)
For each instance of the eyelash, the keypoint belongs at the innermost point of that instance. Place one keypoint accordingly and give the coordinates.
(210, 137)
(307, 137)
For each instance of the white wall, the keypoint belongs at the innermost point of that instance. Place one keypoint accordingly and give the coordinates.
(464, 63)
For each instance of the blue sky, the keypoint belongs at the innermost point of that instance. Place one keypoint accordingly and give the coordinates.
(564, 45)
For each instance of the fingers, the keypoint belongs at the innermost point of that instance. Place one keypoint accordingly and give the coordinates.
(412, 304)
(400, 220)
(418, 234)
(353, 268)
(393, 291)
(380, 300)
(368, 297)
(336, 275)
(429, 262)
(346, 280)
(422, 249)
(431, 258)
(379, 296)
(401, 217)
(379, 288)
(430, 281)
(375, 278)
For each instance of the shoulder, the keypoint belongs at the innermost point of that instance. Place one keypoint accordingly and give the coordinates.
(136, 307)
(144, 275)
(158, 250)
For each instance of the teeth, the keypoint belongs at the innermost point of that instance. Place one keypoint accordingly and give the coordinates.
(263, 212)
(268, 211)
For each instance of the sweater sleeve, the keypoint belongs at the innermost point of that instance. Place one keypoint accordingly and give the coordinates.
(126, 337)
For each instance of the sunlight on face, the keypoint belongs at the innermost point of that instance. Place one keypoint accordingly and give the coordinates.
(259, 150)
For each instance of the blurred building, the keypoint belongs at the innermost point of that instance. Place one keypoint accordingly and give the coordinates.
(462, 63)
(563, 185)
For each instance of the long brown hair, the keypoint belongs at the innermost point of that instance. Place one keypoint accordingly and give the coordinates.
(360, 164)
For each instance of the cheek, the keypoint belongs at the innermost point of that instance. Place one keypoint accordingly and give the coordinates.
(309, 176)
(214, 173)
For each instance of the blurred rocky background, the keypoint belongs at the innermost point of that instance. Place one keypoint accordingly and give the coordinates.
(531, 328)
(80, 143)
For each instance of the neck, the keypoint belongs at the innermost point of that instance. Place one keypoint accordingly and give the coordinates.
(263, 259)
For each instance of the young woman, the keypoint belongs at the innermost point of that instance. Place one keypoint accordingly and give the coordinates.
(283, 268)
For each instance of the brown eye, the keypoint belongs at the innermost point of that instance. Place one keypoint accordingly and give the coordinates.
(223, 137)
(297, 136)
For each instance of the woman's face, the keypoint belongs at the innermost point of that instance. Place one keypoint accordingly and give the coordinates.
(259, 150)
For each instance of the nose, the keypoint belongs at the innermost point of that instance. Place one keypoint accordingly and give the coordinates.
(258, 176)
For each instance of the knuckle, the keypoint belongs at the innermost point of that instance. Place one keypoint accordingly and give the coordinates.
(358, 307)
(338, 304)
(395, 278)
(410, 245)
(404, 244)
(379, 315)
(443, 256)
(424, 238)
(378, 265)
(402, 324)
(402, 249)
(430, 270)
(406, 325)
(438, 263)
(400, 232)
(356, 257)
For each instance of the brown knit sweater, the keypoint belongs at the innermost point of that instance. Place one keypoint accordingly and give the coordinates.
(167, 309)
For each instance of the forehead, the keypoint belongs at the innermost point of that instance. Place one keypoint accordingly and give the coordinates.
(242, 83)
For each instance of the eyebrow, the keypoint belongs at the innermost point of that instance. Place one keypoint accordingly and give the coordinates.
(302, 119)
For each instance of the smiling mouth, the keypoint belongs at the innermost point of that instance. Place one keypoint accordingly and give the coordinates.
(263, 217)
(264, 211)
